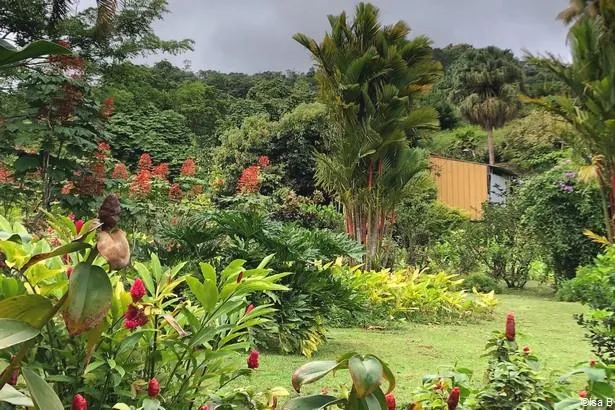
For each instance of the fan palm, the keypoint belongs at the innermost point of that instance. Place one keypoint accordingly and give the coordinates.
(488, 84)
(590, 105)
(368, 76)
(106, 12)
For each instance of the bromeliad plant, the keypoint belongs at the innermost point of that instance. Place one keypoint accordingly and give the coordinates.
(367, 373)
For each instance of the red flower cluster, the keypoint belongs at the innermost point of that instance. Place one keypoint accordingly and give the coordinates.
(106, 109)
(391, 403)
(153, 388)
(134, 317)
(120, 171)
(145, 162)
(161, 171)
(453, 398)
(6, 176)
(188, 168)
(142, 184)
(250, 180)
(137, 290)
(78, 225)
(102, 151)
(510, 327)
(263, 161)
(79, 402)
(175, 193)
(253, 359)
(526, 349)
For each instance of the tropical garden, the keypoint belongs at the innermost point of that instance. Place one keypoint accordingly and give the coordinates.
(178, 239)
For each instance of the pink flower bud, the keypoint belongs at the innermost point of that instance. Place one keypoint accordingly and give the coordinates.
(253, 359)
(153, 388)
(79, 402)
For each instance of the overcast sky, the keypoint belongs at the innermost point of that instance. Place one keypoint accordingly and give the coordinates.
(255, 35)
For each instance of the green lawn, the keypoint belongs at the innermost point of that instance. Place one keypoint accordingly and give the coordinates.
(412, 351)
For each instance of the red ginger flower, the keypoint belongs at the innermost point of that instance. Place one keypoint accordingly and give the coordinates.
(583, 394)
(390, 398)
(134, 317)
(69, 271)
(592, 363)
(249, 309)
(79, 224)
(153, 388)
(510, 327)
(188, 168)
(453, 398)
(137, 290)
(526, 349)
(79, 402)
(204, 407)
(161, 171)
(253, 359)
(145, 162)
(120, 171)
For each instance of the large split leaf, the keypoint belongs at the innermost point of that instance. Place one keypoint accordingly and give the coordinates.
(366, 374)
(89, 298)
(42, 394)
(13, 332)
(31, 309)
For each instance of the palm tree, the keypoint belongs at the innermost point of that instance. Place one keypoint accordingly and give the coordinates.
(589, 105)
(488, 84)
(368, 76)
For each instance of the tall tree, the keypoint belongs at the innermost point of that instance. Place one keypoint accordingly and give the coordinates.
(589, 105)
(369, 75)
(487, 83)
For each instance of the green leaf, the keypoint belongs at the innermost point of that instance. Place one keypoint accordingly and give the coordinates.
(13, 332)
(265, 261)
(569, 404)
(42, 394)
(89, 298)
(11, 395)
(310, 402)
(68, 248)
(150, 404)
(312, 371)
(206, 293)
(595, 374)
(366, 374)
(146, 275)
(26, 308)
(208, 272)
(33, 50)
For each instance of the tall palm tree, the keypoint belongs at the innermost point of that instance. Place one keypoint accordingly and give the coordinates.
(369, 75)
(589, 105)
(489, 86)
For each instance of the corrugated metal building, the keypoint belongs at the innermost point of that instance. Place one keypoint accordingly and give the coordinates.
(467, 185)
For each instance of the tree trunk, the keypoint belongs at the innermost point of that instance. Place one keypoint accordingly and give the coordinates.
(490, 146)
(46, 176)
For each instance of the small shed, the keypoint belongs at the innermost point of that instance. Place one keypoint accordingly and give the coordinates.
(466, 185)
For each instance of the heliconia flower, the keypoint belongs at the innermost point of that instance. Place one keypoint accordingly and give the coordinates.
(526, 349)
(153, 388)
(582, 394)
(510, 327)
(390, 398)
(134, 317)
(249, 309)
(453, 398)
(137, 290)
(69, 271)
(592, 363)
(79, 224)
(253, 359)
(240, 277)
(79, 402)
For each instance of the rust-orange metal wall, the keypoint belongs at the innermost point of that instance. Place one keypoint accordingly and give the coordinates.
(461, 184)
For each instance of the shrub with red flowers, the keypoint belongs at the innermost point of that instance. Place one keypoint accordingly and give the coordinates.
(250, 180)
(145, 162)
(161, 171)
(141, 185)
(188, 168)
(120, 171)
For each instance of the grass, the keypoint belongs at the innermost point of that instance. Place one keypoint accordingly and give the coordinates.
(413, 350)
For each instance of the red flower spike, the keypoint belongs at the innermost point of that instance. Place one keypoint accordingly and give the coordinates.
(249, 309)
(583, 394)
(145, 162)
(510, 327)
(453, 398)
(592, 363)
(390, 398)
(188, 168)
(79, 402)
(69, 271)
(153, 388)
(120, 171)
(161, 171)
(137, 290)
(134, 317)
(79, 224)
(253, 359)
(250, 180)
(526, 349)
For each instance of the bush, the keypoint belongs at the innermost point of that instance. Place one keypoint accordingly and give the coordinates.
(556, 208)
(482, 283)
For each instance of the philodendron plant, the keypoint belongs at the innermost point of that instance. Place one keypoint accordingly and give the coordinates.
(367, 373)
